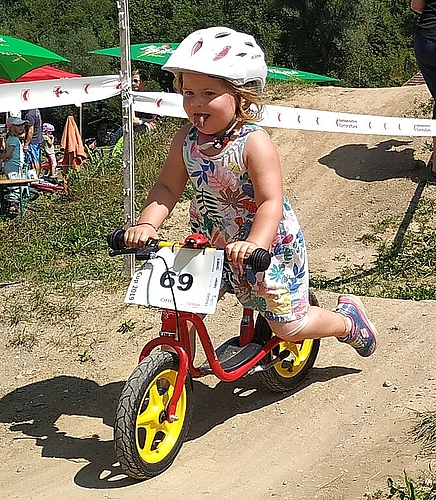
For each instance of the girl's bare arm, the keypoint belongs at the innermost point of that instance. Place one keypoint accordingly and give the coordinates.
(163, 195)
(263, 165)
(417, 5)
(7, 153)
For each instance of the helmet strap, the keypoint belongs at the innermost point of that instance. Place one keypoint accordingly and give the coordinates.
(216, 142)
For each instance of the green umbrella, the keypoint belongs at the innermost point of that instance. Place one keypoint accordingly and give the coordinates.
(158, 53)
(276, 73)
(17, 57)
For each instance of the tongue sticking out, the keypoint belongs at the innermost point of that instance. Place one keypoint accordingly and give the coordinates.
(199, 120)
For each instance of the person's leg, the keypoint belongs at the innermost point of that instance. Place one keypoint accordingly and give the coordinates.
(53, 164)
(33, 158)
(30, 160)
(193, 333)
(425, 52)
(318, 323)
(38, 159)
(433, 168)
(192, 340)
(347, 322)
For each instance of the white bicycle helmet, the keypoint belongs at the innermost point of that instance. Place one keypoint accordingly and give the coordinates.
(220, 52)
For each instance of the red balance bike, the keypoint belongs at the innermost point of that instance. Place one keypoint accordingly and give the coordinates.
(155, 407)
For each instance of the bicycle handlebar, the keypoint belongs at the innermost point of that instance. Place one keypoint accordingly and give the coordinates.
(259, 260)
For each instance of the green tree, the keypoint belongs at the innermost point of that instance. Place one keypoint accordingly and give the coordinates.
(71, 28)
(364, 42)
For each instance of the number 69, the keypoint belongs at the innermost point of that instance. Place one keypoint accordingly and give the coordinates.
(185, 281)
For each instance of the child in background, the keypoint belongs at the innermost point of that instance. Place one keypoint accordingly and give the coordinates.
(13, 155)
(239, 202)
(49, 139)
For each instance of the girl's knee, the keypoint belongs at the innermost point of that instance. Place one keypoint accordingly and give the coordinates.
(289, 330)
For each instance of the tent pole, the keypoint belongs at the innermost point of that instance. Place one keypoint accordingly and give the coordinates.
(81, 120)
(127, 114)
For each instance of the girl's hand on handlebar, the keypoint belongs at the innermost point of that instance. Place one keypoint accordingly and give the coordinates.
(137, 236)
(240, 250)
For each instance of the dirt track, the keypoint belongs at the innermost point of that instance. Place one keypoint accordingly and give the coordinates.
(338, 436)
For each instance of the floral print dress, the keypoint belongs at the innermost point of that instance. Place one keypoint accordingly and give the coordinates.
(223, 210)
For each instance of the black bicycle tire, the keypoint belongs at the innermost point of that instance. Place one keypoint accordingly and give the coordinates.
(129, 405)
(271, 379)
(59, 156)
(33, 194)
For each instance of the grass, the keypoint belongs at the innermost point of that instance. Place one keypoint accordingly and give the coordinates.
(63, 239)
(425, 431)
(404, 268)
(127, 326)
(23, 340)
(424, 487)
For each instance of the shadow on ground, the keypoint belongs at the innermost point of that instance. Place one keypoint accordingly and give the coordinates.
(34, 410)
(387, 160)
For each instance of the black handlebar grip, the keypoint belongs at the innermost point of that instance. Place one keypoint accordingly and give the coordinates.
(259, 260)
(115, 239)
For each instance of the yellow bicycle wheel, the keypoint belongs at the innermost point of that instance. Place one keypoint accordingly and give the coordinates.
(288, 373)
(146, 444)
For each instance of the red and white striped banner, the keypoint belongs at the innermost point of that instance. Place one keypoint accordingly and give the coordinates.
(168, 104)
(59, 92)
(76, 91)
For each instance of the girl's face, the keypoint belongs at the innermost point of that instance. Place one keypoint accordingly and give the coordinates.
(210, 106)
(17, 130)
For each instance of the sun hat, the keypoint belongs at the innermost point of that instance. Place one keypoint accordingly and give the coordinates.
(13, 120)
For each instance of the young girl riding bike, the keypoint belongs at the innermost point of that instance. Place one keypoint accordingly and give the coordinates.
(239, 202)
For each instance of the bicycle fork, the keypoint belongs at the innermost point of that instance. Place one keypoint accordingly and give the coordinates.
(172, 323)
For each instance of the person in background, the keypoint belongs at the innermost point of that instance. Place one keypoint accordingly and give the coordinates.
(142, 121)
(2, 140)
(49, 148)
(13, 155)
(425, 52)
(33, 140)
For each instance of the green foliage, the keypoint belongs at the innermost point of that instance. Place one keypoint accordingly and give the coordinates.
(410, 491)
(70, 28)
(63, 239)
(85, 356)
(363, 43)
(23, 340)
(127, 326)
(404, 268)
(425, 430)
(378, 46)
(151, 150)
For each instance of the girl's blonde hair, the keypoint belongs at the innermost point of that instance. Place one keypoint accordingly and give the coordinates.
(13, 130)
(249, 103)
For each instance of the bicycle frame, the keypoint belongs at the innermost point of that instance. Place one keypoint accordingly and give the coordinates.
(175, 334)
(229, 362)
(155, 407)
